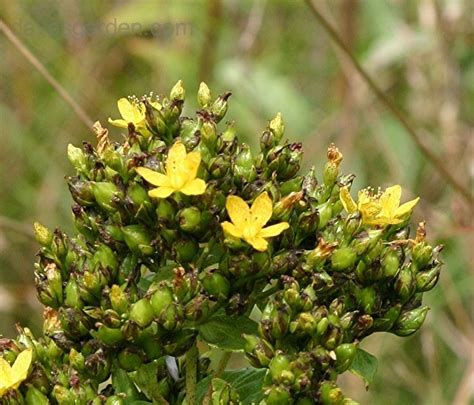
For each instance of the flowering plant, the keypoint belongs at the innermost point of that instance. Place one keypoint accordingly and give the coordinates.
(190, 248)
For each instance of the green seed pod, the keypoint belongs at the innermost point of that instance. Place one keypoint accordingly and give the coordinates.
(386, 321)
(209, 135)
(82, 192)
(137, 194)
(35, 397)
(130, 359)
(279, 367)
(189, 219)
(330, 394)
(105, 257)
(404, 284)
(204, 96)
(77, 360)
(171, 316)
(352, 225)
(63, 395)
(198, 308)
(219, 166)
(278, 395)
(118, 299)
(74, 322)
(142, 313)
(426, 280)
(410, 321)
(165, 211)
(422, 254)
(138, 239)
(343, 259)
(345, 354)
(160, 299)
(104, 193)
(304, 322)
(108, 336)
(115, 400)
(244, 167)
(367, 299)
(216, 285)
(127, 268)
(186, 250)
(325, 214)
(330, 173)
(291, 186)
(390, 263)
(49, 286)
(72, 294)
(258, 350)
(98, 366)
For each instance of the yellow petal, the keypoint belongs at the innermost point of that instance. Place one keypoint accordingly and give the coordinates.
(347, 202)
(390, 200)
(161, 192)
(21, 366)
(406, 208)
(257, 243)
(5, 373)
(130, 112)
(261, 210)
(231, 229)
(238, 210)
(273, 230)
(118, 123)
(156, 105)
(194, 187)
(192, 161)
(175, 160)
(155, 178)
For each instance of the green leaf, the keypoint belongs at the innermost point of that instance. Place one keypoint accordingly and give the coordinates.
(146, 380)
(122, 383)
(365, 366)
(225, 332)
(247, 382)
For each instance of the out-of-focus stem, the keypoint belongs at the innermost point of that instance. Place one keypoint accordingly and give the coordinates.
(192, 357)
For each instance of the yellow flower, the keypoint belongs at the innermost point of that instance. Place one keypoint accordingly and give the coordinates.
(247, 223)
(381, 209)
(12, 376)
(132, 112)
(181, 170)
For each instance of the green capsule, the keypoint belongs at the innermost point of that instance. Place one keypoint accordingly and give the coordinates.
(390, 263)
(137, 194)
(405, 284)
(427, 279)
(330, 173)
(82, 192)
(127, 268)
(142, 313)
(325, 214)
(345, 354)
(410, 321)
(178, 92)
(278, 365)
(422, 254)
(244, 167)
(115, 400)
(138, 239)
(278, 395)
(204, 96)
(189, 219)
(105, 257)
(386, 321)
(104, 192)
(118, 299)
(108, 336)
(48, 282)
(209, 135)
(72, 294)
(35, 397)
(367, 299)
(130, 359)
(78, 159)
(343, 259)
(165, 210)
(63, 395)
(330, 394)
(77, 360)
(161, 299)
(216, 285)
(186, 250)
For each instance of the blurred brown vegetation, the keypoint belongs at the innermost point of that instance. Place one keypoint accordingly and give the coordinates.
(274, 56)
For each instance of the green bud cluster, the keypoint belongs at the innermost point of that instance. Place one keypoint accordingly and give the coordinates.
(126, 297)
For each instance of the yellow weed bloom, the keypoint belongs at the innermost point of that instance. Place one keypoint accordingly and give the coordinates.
(132, 112)
(382, 209)
(181, 171)
(12, 376)
(247, 222)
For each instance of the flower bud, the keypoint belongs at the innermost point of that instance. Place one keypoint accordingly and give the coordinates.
(198, 308)
(330, 394)
(78, 159)
(108, 336)
(258, 350)
(278, 395)
(49, 286)
(244, 168)
(142, 312)
(35, 397)
(72, 296)
(77, 360)
(130, 359)
(410, 321)
(204, 96)
(138, 239)
(186, 250)
(390, 263)
(367, 299)
(277, 127)
(178, 92)
(43, 235)
(118, 299)
(386, 320)
(278, 366)
(209, 135)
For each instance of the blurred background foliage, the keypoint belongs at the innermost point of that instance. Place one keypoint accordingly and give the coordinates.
(274, 56)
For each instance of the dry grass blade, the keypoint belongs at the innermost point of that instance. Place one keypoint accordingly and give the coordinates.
(428, 153)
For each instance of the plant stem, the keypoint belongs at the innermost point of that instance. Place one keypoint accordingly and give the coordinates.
(192, 357)
(219, 370)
